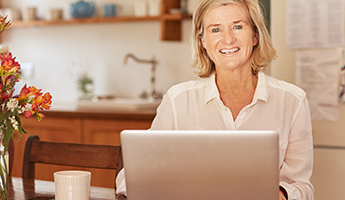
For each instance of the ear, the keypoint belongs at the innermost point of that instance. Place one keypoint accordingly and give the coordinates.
(255, 39)
(203, 41)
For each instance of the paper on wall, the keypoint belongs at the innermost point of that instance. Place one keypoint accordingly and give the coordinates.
(315, 23)
(342, 77)
(317, 75)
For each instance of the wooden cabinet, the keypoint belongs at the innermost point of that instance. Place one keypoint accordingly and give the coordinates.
(78, 127)
(170, 23)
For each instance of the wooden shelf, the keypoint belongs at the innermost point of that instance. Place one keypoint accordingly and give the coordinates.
(170, 22)
(41, 23)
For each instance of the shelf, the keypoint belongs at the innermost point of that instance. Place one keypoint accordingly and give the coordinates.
(165, 19)
(170, 23)
(82, 21)
(97, 20)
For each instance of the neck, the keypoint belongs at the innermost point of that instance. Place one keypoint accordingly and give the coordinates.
(236, 82)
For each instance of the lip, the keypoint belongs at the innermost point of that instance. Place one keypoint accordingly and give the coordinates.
(229, 51)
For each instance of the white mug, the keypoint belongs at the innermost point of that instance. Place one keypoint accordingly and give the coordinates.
(54, 14)
(72, 185)
(140, 8)
(154, 7)
(31, 13)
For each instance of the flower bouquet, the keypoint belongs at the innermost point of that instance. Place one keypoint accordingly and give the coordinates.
(30, 101)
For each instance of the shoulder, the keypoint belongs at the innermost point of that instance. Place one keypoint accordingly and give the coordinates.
(285, 87)
(186, 87)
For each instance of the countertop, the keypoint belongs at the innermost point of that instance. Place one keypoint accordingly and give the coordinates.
(70, 110)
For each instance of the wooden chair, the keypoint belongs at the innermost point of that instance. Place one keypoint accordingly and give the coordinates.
(69, 154)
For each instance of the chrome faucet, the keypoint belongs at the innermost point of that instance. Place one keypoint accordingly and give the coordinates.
(151, 94)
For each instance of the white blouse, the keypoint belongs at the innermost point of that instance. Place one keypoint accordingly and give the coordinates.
(277, 105)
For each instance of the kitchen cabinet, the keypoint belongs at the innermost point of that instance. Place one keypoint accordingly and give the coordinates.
(90, 127)
(170, 23)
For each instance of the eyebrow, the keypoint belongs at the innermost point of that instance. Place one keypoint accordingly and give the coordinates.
(211, 25)
(234, 22)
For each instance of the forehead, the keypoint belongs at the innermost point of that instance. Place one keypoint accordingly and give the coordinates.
(228, 12)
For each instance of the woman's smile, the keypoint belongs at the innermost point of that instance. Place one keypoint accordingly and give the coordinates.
(229, 51)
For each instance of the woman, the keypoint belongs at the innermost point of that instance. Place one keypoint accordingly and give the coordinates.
(231, 49)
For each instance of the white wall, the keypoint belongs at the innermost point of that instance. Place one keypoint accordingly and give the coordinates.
(329, 175)
(100, 48)
(59, 51)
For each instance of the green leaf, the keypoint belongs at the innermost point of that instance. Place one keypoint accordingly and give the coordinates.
(8, 134)
(20, 128)
(5, 116)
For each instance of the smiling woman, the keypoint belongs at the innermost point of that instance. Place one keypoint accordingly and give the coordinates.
(231, 49)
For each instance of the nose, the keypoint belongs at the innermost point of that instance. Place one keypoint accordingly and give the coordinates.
(228, 37)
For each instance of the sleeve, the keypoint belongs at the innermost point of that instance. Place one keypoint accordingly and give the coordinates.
(120, 183)
(165, 117)
(297, 167)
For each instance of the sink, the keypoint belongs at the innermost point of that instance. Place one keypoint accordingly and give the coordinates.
(130, 104)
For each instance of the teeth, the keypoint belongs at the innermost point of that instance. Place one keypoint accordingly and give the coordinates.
(226, 51)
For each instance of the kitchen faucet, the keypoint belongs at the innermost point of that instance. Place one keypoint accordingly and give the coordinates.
(151, 94)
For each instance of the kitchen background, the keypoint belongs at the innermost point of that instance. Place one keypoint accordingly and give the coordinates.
(59, 53)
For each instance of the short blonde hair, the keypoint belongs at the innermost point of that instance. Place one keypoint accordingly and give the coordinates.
(263, 53)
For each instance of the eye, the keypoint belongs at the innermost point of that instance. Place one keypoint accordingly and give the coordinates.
(215, 30)
(238, 27)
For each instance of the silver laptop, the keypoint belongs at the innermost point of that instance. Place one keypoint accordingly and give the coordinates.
(201, 165)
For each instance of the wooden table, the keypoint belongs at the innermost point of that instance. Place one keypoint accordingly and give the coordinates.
(29, 189)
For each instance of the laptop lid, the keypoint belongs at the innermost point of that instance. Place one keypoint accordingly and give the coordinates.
(201, 165)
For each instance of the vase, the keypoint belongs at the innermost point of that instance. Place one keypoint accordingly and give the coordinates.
(4, 173)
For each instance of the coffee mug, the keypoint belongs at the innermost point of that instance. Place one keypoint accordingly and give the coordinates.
(154, 7)
(31, 13)
(140, 8)
(72, 185)
(54, 14)
(111, 10)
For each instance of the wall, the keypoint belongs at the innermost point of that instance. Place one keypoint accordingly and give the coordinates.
(59, 53)
(329, 163)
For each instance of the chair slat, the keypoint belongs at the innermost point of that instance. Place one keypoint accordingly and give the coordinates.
(70, 154)
(94, 156)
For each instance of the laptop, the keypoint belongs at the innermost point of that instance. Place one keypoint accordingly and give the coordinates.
(201, 165)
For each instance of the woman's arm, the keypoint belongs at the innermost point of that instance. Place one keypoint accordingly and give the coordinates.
(297, 167)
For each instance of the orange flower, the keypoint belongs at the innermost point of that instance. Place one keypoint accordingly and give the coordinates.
(9, 65)
(42, 102)
(3, 23)
(46, 104)
(23, 96)
(40, 116)
(26, 93)
(34, 91)
(38, 101)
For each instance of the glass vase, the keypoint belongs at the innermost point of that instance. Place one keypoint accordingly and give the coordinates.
(4, 173)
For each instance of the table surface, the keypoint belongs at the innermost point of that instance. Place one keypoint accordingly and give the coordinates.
(30, 189)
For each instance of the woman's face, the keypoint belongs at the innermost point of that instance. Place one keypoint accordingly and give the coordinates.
(228, 37)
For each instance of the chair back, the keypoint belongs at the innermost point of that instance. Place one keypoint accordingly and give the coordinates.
(69, 154)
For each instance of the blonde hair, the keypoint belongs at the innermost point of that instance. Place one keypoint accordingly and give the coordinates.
(263, 53)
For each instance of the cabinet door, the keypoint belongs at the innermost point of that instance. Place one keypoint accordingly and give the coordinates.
(107, 132)
(49, 129)
(328, 173)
